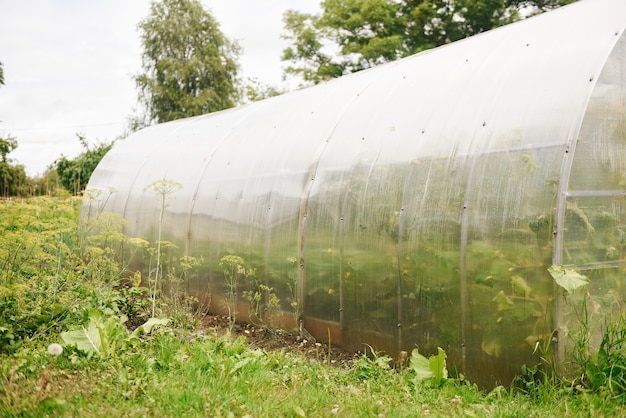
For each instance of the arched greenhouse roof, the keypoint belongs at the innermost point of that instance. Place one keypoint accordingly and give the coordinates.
(469, 168)
(524, 85)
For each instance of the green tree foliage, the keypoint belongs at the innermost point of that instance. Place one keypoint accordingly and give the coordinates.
(47, 184)
(255, 90)
(189, 66)
(13, 178)
(7, 146)
(351, 35)
(74, 173)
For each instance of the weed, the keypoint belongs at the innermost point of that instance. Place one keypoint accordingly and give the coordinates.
(54, 350)
(175, 302)
(292, 284)
(604, 369)
(234, 269)
(432, 368)
(262, 302)
(373, 366)
(107, 337)
(164, 189)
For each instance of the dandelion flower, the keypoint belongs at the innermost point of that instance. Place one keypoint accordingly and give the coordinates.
(55, 349)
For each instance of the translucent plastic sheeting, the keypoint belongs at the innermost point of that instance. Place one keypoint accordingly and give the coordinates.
(418, 203)
(592, 206)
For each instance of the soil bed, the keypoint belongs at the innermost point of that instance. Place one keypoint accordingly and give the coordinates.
(269, 339)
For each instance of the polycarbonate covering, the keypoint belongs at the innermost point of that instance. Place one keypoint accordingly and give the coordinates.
(416, 204)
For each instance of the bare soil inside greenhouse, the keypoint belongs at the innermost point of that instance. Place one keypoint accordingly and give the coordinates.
(273, 339)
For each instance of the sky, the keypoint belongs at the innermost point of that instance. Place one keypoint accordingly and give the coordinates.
(68, 66)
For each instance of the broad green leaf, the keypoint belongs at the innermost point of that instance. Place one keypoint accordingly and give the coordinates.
(523, 311)
(85, 339)
(433, 368)
(438, 367)
(102, 337)
(573, 207)
(485, 279)
(503, 301)
(420, 365)
(491, 344)
(568, 279)
(520, 286)
(532, 341)
(147, 327)
(113, 334)
(94, 315)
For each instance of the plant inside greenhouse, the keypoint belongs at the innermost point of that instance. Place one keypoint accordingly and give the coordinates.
(470, 199)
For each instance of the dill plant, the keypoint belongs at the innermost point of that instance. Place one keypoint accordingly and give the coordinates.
(233, 268)
(164, 190)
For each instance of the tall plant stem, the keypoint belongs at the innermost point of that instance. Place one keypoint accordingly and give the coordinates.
(158, 263)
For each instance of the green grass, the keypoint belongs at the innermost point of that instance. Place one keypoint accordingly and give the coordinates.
(170, 375)
(46, 289)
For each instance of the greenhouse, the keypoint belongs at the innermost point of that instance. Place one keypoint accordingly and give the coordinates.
(416, 204)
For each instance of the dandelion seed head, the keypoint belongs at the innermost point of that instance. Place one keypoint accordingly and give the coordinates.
(55, 349)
